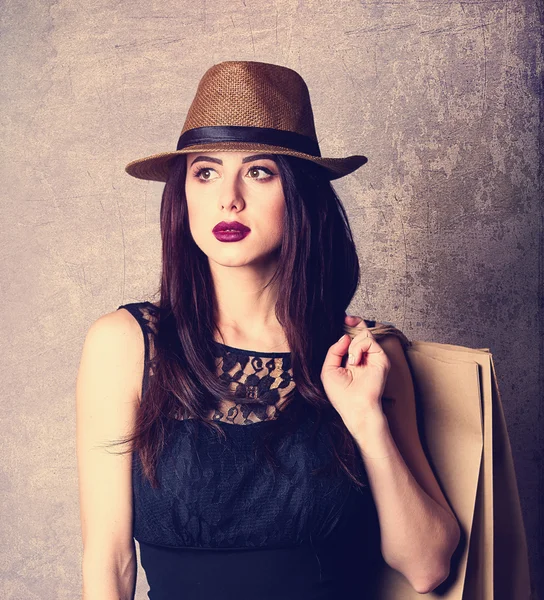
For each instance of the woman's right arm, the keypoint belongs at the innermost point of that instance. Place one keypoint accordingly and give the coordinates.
(107, 395)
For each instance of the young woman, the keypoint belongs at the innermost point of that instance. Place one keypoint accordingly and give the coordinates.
(262, 454)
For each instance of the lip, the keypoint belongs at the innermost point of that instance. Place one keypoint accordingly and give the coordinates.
(230, 236)
(235, 225)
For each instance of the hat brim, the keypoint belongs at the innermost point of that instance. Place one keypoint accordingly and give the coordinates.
(156, 166)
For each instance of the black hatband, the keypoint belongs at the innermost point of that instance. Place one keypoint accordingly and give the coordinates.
(259, 135)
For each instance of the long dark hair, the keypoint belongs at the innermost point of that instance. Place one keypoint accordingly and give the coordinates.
(317, 273)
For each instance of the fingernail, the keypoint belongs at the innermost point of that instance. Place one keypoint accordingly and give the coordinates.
(341, 338)
(351, 359)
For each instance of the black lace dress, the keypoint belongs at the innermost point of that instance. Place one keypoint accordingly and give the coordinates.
(224, 525)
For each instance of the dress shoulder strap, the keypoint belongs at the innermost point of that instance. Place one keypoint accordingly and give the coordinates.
(145, 314)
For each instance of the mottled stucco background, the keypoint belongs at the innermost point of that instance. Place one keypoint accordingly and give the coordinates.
(443, 97)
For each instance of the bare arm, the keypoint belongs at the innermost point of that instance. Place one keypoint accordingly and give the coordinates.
(419, 530)
(107, 394)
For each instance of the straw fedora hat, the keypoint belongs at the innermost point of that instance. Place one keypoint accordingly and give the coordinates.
(246, 106)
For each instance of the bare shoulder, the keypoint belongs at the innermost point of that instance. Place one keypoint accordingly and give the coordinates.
(117, 328)
(114, 351)
(118, 322)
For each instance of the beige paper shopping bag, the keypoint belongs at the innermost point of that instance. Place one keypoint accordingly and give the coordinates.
(463, 433)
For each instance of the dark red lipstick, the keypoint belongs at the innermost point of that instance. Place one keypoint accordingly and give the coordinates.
(230, 232)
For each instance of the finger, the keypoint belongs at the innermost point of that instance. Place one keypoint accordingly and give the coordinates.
(362, 333)
(357, 322)
(337, 352)
(353, 325)
(363, 342)
(359, 347)
(353, 320)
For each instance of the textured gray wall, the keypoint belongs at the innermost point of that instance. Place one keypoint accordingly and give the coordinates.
(442, 96)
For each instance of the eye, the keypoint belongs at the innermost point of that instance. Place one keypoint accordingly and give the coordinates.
(255, 170)
(204, 174)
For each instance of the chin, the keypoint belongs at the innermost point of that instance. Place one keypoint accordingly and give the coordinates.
(243, 259)
(238, 254)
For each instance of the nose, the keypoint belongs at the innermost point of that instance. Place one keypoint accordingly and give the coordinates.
(230, 193)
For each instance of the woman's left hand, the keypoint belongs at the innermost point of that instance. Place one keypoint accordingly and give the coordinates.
(355, 390)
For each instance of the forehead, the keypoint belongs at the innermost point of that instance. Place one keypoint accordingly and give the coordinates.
(222, 157)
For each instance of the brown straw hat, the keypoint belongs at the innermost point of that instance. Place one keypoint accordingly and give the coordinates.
(246, 106)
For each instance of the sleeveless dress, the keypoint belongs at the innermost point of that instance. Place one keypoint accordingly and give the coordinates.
(223, 525)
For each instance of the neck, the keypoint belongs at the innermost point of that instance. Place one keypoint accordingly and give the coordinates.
(245, 308)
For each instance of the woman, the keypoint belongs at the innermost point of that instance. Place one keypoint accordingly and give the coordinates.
(256, 461)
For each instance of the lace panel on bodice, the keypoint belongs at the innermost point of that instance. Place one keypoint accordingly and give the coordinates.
(262, 383)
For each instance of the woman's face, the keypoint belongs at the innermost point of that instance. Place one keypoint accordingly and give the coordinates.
(227, 187)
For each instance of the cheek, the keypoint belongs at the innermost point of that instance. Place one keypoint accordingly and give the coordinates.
(197, 218)
(278, 215)
(279, 219)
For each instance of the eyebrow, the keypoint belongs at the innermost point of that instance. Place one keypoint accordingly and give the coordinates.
(244, 160)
